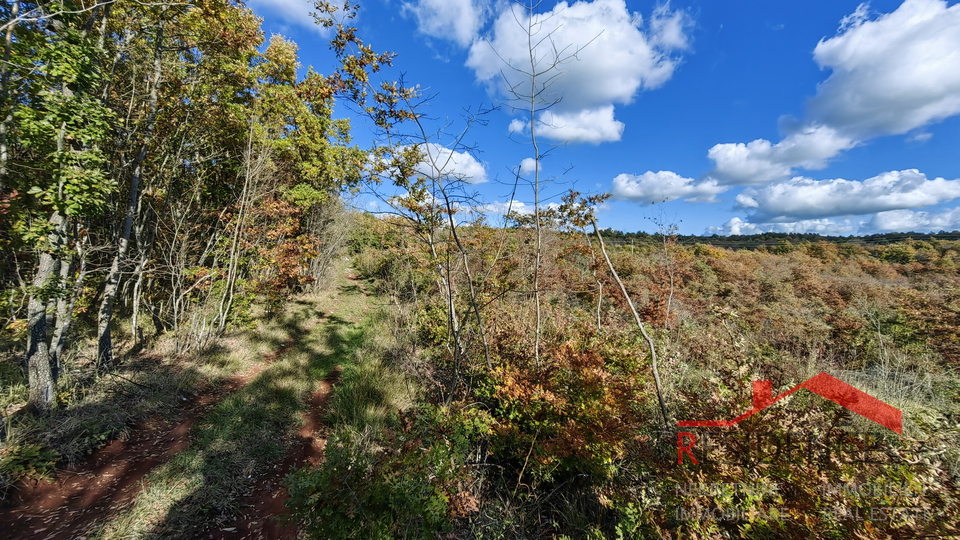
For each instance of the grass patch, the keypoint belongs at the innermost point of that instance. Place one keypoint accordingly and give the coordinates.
(366, 488)
(370, 393)
(93, 409)
(244, 434)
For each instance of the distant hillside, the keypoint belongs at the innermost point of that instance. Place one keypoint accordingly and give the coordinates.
(754, 241)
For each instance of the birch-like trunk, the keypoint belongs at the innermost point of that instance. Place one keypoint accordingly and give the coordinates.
(643, 330)
(111, 286)
(5, 95)
(40, 375)
(251, 170)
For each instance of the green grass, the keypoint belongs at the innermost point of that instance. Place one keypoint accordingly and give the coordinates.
(370, 392)
(248, 431)
(252, 429)
(244, 433)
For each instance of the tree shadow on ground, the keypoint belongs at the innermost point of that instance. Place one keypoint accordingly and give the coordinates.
(250, 430)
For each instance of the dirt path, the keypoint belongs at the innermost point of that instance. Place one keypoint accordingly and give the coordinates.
(264, 509)
(100, 489)
(110, 478)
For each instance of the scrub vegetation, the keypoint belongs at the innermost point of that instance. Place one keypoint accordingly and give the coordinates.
(575, 445)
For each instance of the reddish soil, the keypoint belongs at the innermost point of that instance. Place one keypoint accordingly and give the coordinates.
(78, 498)
(67, 507)
(265, 508)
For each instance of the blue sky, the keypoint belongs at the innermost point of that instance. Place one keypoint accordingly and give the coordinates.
(731, 117)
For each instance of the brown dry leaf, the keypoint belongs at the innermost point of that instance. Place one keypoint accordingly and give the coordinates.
(463, 504)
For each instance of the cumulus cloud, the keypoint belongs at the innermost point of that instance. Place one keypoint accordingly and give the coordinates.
(606, 54)
(502, 208)
(516, 126)
(456, 20)
(889, 75)
(441, 162)
(908, 220)
(737, 226)
(592, 126)
(804, 198)
(664, 186)
(292, 12)
(889, 221)
(529, 165)
(586, 125)
(892, 74)
(887, 201)
(760, 161)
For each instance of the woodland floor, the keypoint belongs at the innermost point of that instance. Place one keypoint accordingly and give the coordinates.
(81, 502)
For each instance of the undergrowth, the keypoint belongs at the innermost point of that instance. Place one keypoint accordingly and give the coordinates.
(94, 409)
(571, 444)
(246, 433)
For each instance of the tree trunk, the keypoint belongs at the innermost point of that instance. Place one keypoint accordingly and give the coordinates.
(5, 96)
(65, 308)
(643, 329)
(40, 376)
(111, 286)
(452, 223)
(251, 170)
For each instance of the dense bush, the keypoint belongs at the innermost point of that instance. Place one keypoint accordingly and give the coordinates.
(567, 441)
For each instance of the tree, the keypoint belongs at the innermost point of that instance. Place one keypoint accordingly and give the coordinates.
(580, 213)
(61, 127)
(151, 165)
(529, 84)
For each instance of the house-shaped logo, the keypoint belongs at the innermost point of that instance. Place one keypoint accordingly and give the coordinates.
(825, 386)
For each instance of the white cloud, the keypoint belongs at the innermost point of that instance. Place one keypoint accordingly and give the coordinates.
(804, 198)
(889, 221)
(668, 28)
(608, 55)
(664, 186)
(456, 20)
(737, 226)
(516, 126)
(501, 208)
(906, 220)
(855, 19)
(750, 163)
(760, 161)
(586, 125)
(893, 74)
(293, 12)
(529, 165)
(441, 162)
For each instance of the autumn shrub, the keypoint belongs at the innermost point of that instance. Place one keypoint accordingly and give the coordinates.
(781, 473)
(574, 413)
(409, 480)
(574, 446)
